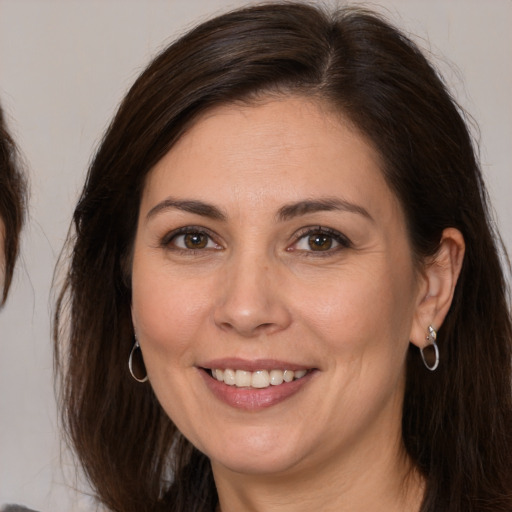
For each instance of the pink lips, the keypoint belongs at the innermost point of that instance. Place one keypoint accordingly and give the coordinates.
(251, 399)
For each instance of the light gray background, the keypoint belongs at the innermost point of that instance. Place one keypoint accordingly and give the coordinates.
(64, 66)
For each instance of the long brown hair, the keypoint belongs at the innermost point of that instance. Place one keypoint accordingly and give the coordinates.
(457, 421)
(12, 203)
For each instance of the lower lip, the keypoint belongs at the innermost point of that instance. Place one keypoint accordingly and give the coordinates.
(253, 399)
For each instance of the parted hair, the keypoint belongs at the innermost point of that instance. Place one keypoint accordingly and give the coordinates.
(12, 203)
(457, 421)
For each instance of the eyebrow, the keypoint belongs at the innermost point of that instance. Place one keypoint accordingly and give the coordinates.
(190, 206)
(292, 210)
(284, 213)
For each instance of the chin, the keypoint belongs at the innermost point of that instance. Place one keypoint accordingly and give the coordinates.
(263, 455)
(263, 464)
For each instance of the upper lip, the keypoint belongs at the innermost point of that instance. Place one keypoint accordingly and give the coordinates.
(252, 365)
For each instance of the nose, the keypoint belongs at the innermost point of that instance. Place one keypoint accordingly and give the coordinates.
(251, 299)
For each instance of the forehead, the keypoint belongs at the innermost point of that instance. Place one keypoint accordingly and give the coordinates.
(269, 150)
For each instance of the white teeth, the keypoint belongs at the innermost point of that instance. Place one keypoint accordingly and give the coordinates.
(276, 377)
(288, 375)
(259, 379)
(229, 377)
(242, 378)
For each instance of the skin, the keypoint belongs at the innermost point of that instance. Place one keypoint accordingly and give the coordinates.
(260, 289)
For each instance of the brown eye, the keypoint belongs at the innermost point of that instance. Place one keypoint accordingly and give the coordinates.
(190, 240)
(195, 240)
(320, 242)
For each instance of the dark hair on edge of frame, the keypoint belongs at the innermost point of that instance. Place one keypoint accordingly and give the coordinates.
(13, 197)
(457, 421)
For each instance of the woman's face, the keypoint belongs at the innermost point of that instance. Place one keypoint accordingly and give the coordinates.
(268, 248)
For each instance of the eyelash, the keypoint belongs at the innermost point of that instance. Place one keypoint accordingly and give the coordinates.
(342, 240)
(339, 238)
(187, 230)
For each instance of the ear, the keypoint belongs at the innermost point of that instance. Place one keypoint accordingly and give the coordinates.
(437, 285)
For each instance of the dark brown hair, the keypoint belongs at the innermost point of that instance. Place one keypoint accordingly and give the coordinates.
(457, 421)
(12, 203)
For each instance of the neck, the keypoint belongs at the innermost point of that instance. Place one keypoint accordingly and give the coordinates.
(387, 482)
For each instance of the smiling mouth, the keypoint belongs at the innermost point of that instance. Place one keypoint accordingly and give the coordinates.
(259, 379)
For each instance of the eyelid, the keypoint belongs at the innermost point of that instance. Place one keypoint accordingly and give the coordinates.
(339, 237)
(185, 230)
(343, 241)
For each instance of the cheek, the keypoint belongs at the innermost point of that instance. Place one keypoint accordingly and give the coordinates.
(363, 309)
(166, 310)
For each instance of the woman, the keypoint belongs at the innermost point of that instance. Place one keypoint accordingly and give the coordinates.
(284, 289)
(12, 213)
(12, 207)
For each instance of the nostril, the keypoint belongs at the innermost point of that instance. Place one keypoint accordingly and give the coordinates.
(251, 309)
(248, 329)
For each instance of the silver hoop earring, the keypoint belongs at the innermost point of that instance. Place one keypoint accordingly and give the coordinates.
(431, 338)
(130, 362)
